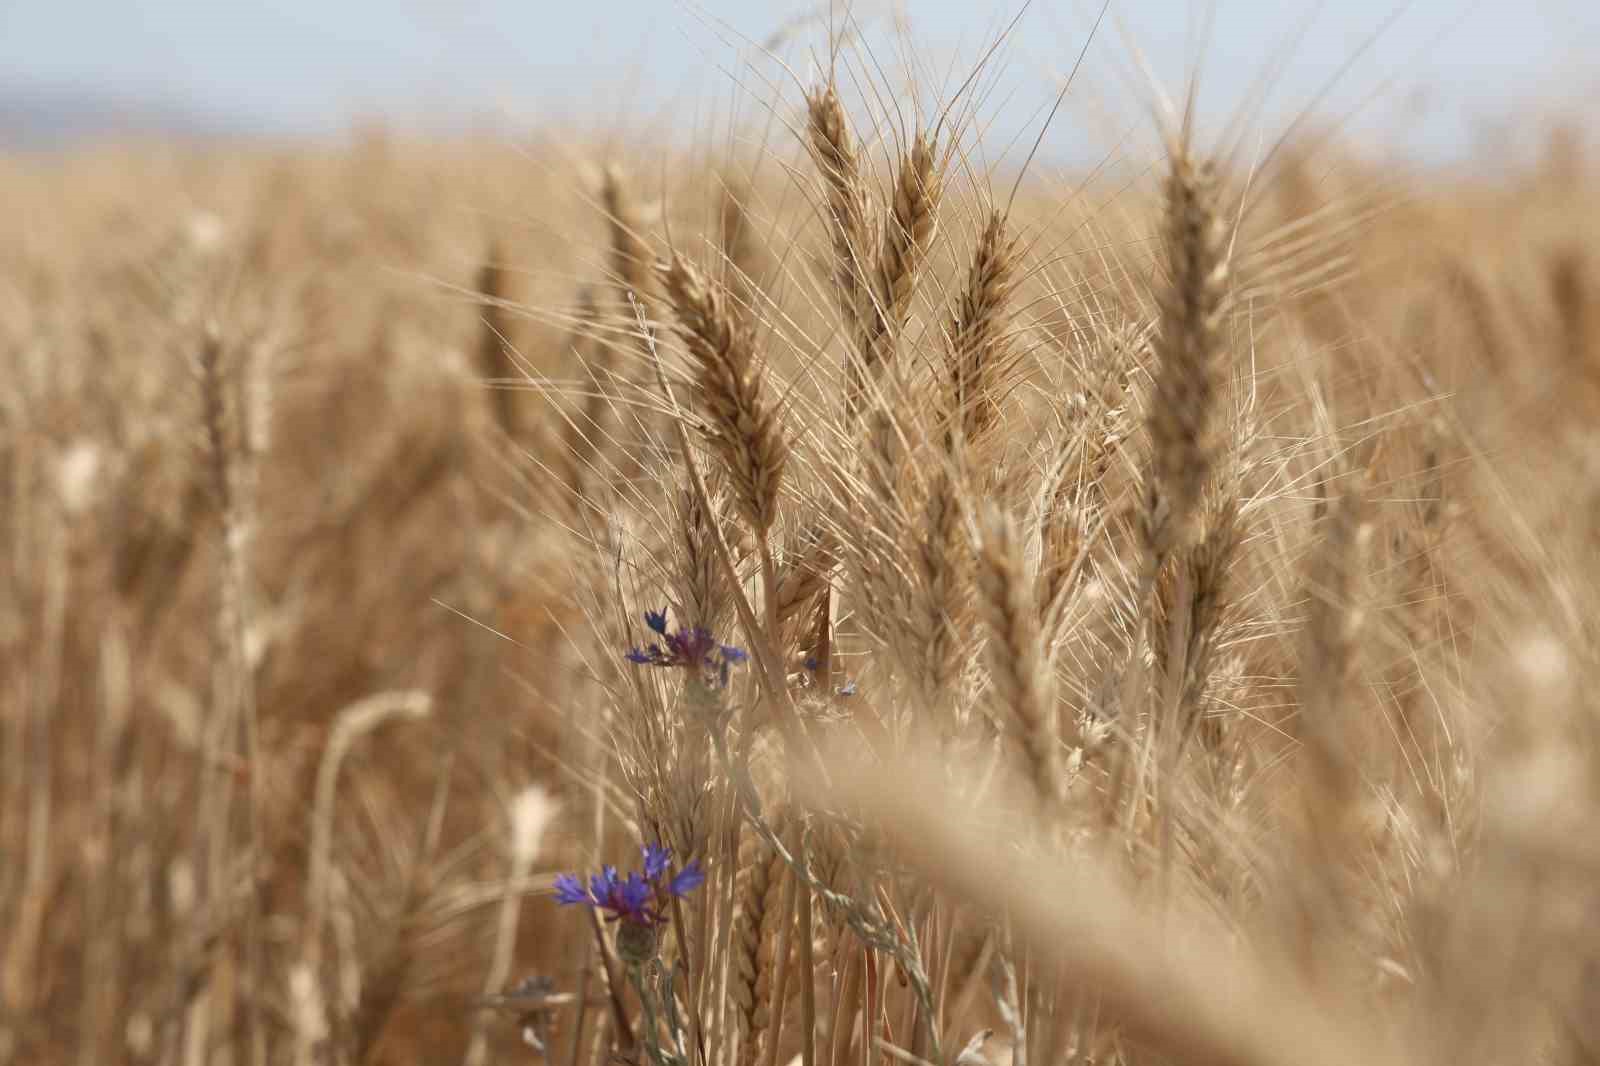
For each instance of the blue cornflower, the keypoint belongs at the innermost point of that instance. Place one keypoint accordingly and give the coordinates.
(688, 649)
(638, 899)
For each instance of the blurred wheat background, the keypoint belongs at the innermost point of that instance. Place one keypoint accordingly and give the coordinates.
(1083, 584)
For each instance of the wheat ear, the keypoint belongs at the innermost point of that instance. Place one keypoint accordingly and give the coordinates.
(743, 421)
(758, 913)
(1183, 415)
(942, 563)
(1017, 670)
(1333, 626)
(908, 233)
(493, 338)
(977, 330)
(834, 151)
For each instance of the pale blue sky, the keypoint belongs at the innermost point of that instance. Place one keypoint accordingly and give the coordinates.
(1432, 78)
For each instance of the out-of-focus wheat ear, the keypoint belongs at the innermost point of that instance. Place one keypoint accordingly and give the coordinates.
(1185, 407)
(1016, 664)
(742, 252)
(630, 257)
(1578, 307)
(743, 421)
(588, 430)
(833, 149)
(381, 988)
(386, 979)
(1335, 618)
(833, 864)
(908, 231)
(977, 331)
(494, 338)
(350, 725)
(758, 912)
(234, 731)
(531, 813)
(633, 282)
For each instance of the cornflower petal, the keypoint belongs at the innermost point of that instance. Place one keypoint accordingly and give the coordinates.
(603, 886)
(656, 858)
(687, 880)
(570, 890)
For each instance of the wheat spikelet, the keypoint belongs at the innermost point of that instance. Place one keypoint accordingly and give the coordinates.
(743, 424)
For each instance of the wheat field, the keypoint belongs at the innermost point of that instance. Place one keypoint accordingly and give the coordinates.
(821, 599)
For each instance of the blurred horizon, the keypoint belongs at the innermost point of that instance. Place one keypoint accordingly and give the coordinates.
(1429, 80)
